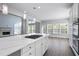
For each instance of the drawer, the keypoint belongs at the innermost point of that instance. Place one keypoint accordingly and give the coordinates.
(27, 48)
(29, 53)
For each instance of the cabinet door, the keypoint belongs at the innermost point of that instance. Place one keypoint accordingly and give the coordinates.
(44, 45)
(28, 50)
(30, 53)
(43, 49)
(38, 50)
(75, 11)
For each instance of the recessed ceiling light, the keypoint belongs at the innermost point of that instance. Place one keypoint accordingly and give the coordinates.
(34, 19)
(24, 11)
(4, 9)
(36, 7)
(39, 7)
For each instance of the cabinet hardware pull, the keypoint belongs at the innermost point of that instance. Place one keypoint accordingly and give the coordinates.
(42, 44)
(29, 47)
(30, 53)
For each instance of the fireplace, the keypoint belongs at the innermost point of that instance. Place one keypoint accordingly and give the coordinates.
(5, 31)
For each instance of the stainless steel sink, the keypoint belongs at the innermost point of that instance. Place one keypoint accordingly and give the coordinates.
(33, 36)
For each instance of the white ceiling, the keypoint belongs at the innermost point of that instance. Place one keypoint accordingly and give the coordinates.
(47, 11)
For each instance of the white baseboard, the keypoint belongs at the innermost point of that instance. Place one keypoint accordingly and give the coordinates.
(59, 36)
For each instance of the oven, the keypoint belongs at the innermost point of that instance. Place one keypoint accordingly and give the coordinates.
(76, 44)
(76, 36)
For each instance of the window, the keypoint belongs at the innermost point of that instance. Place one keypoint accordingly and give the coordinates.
(63, 28)
(17, 28)
(49, 28)
(31, 28)
(57, 28)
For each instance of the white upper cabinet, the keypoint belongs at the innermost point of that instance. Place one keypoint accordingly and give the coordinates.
(75, 12)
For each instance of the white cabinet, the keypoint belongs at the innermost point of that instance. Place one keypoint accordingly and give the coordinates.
(75, 12)
(74, 16)
(28, 50)
(44, 45)
(38, 48)
(41, 46)
(29, 53)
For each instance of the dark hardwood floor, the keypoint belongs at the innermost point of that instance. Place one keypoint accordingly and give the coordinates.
(59, 47)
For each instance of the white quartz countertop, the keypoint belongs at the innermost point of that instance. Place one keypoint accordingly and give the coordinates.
(11, 44)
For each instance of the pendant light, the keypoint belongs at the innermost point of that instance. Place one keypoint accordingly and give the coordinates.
(25, 15)
(4, 9)
(34, 20)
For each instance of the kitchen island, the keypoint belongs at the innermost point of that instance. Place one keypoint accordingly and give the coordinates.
(20, 46)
